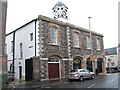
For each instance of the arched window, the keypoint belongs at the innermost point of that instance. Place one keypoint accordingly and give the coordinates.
(54, 34)
(76, 38)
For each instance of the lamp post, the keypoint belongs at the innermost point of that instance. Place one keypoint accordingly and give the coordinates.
(90, 35)
(3, 61)
(91, 54)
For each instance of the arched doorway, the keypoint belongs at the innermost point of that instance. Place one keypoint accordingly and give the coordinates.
(77, 63)
(89, 64)
(99, 65)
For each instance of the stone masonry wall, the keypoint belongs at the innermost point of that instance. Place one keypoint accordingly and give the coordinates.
(65, 49)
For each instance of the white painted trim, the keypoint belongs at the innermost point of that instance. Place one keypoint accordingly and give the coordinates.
(43, 58)
(53, 62)
(70, 59)
(67, 59)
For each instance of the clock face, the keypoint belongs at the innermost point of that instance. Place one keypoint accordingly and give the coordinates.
(56, 13)
(63, 13)
(60, 12)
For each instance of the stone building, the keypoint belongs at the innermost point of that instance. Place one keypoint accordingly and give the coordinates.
(58, 48)
(64, 46)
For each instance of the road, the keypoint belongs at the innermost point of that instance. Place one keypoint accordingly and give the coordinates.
(108, 81)
(104, 82)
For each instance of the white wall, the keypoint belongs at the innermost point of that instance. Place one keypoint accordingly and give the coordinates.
(23, 36)
(37, 39)
(8, 40)
(114, 58)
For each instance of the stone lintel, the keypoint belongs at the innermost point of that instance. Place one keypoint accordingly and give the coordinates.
(43, 59)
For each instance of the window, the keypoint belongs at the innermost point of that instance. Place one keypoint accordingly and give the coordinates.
(112, 63)
(76, 39)
(31, 36)
(87, 71)
(21, 50)
(88, 42)
(98, 44)
(11, 46)
(82, 71)
(53, 35)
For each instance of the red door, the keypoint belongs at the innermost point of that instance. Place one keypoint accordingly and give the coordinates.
(53, 69)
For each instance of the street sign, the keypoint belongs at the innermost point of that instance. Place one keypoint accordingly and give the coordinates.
(91, 58)
(4, 60)
(106, 52)
(109, 60)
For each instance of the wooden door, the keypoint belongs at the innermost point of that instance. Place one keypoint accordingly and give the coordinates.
(53, 69)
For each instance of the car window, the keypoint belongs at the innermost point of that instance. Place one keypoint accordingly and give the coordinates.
(82, 70)
(86, 70)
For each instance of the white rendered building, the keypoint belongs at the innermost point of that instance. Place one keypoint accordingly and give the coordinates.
(24, 39)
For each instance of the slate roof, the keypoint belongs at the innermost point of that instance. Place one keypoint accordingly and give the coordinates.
(59, 4)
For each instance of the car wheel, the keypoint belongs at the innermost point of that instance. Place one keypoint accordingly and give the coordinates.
(70, 80)
(81, 78)
(92, 76)
(13, 79)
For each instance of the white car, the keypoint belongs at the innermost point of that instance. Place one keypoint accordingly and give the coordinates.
(80, 74)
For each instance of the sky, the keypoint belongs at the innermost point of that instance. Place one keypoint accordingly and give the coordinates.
(104, 15)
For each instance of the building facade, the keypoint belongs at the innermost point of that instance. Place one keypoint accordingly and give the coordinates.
(57, 48)
(112, 58)
(20, 45)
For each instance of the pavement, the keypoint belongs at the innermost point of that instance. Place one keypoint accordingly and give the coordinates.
(30, 84)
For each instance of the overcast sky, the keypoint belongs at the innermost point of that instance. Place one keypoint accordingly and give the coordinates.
(104, 15)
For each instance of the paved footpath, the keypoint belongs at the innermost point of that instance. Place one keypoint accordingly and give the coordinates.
(30, 84)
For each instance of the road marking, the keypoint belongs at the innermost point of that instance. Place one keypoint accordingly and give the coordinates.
(12, 85)
(46, 87)
(74, 82)
(91, 85)
(66, 82)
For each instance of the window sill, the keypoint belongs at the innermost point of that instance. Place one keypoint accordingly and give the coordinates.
(76, 47)
(20, 58)
(88, 48)
(30, 46)
(53, 44)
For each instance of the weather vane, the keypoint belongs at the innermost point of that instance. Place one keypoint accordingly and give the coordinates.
(60, 10)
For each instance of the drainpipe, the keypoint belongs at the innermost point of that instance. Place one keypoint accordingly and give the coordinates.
(14, 52)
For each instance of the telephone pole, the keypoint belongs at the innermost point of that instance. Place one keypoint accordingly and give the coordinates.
(3, 61)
